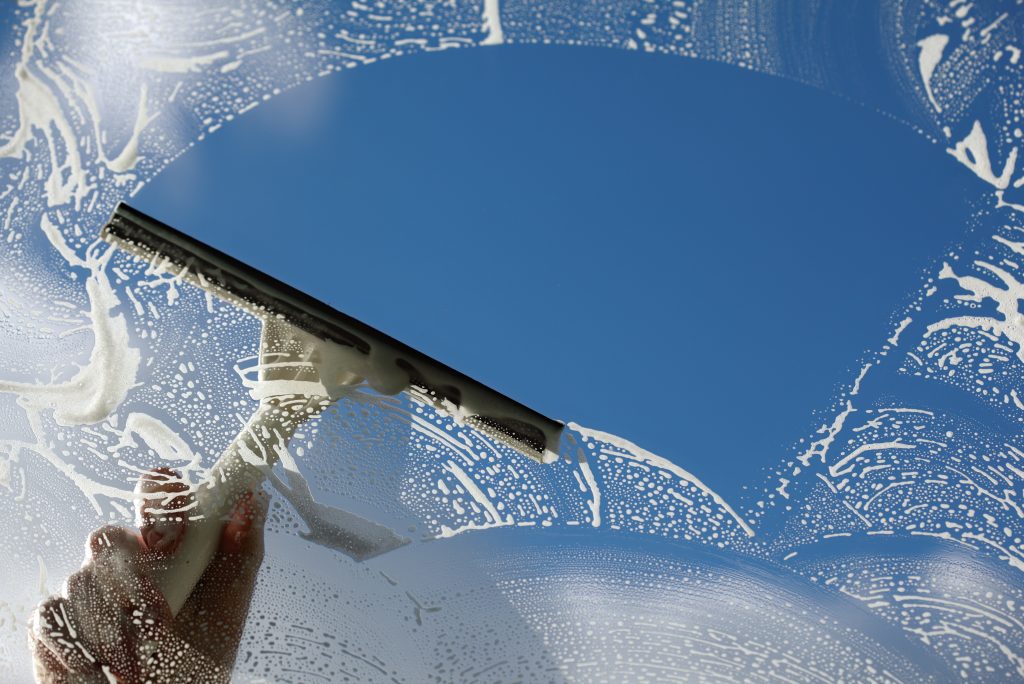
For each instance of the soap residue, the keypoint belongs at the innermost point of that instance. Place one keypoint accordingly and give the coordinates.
(899, 520)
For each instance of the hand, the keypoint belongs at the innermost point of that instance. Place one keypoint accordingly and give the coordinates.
(112, 624)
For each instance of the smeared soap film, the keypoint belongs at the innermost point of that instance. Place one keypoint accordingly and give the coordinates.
(589, 567)
(570, 608)
(966, 610)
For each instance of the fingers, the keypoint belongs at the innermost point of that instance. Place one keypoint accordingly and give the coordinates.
(101, 598)
(118, 560)
(114, 564)
(48, 668)
(110, 541)
(112, 621)
(217, 608)
(162, 505)
(56, 626)
(80, 626)
(85, 629)
(131, 620)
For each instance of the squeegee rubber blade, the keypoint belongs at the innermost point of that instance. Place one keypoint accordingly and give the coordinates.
(492, 412)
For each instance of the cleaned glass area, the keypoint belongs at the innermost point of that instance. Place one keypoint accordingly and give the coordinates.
(802, 361)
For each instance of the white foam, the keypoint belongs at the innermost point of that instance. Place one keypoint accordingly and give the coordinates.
(973, 153)
(839, 467)
(595, 492)
(640, 455)
(168, 444)
(821, 446)
(928, 59)
(103, 382)
(895, 339)
(860, 378)
(492, 23)
(1006, 298)
(129, 155)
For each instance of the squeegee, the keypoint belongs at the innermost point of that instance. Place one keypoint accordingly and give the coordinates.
(360, 352)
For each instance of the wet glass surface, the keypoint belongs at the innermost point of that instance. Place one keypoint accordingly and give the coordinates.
(358, 536)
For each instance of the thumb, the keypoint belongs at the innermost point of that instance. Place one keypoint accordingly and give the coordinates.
(162, 505)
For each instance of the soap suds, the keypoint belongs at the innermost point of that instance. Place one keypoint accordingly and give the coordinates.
(931, 55)
(134, 369)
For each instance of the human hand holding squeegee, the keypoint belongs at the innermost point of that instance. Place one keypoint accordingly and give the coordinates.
(298, 377)
(126, 615)
(111, 623)
(309, 353)
(167, 602)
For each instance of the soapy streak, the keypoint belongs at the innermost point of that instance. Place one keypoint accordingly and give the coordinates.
(111, 371)
(595, 492)
(635, 453)
(492, 23)
(860, 378)
(895, 339)
(1006, 299)
(963, 631)
(1014, 559)
(820, 447)
(82, 91)
(972, 152)
(478, 495)
(227, 40)
(1015, 247)
(329, 526)
(427, 429)
(90, 488)
(928, 59)
(168, 444)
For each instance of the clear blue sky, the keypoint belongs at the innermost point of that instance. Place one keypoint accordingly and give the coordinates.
(685, 254)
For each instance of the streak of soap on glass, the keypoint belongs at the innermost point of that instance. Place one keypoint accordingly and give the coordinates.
(885, 545)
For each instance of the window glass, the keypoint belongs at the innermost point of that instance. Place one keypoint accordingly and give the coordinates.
(812, 353)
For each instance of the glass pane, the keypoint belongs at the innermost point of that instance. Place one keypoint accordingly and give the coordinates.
(694, 256)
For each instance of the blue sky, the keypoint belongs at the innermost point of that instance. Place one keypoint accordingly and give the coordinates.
(685, 254)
